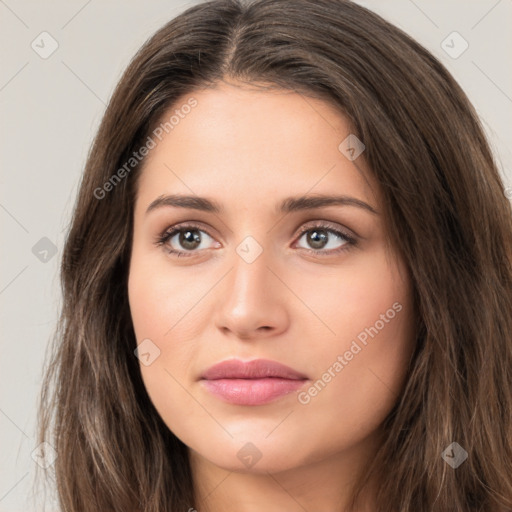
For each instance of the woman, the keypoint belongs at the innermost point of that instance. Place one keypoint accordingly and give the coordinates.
(288, 282)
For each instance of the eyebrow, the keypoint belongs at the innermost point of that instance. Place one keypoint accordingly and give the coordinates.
(288, 205)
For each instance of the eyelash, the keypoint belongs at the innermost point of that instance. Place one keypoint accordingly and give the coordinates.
(164, 237)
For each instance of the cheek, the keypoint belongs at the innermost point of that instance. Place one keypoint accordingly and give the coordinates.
(371, 293)
(160, 297)
(360, 368)
(166, 331)
(158, 321)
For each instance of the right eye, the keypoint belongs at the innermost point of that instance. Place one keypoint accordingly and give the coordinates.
(183, 240)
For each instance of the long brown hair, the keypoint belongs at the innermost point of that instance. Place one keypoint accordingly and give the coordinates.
(447, 215)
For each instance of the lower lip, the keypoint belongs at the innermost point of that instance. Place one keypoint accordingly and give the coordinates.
(252, 391)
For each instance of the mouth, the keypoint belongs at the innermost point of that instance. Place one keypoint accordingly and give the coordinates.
(255, 382)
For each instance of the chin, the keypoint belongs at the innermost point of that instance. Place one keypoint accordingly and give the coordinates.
(253, 453)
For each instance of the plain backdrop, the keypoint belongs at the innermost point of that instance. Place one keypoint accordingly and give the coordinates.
(50, 108)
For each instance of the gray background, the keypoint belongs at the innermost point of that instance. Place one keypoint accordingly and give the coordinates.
(50, 110)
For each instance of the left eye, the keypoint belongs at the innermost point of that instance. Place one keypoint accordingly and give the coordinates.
(323, 237)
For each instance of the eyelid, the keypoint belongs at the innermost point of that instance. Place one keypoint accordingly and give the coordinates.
(183, 226)
(192, 224)
(326, 224)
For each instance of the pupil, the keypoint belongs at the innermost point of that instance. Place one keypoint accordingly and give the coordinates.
(317, 238)
(190, 239)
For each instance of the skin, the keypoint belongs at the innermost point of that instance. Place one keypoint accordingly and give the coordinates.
(248, 149)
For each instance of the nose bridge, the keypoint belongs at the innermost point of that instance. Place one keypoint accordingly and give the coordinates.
(252, 296)
(250, 275)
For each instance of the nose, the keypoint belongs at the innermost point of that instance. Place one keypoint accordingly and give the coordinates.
(252, 299)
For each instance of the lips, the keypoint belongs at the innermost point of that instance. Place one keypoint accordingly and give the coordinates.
(255, 369)
(255, 382)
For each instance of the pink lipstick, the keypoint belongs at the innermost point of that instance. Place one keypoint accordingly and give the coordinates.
(255, 382)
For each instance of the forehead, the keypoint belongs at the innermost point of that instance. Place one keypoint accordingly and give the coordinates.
(246, 145)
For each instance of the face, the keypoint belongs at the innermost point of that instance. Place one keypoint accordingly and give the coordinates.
(250, 275)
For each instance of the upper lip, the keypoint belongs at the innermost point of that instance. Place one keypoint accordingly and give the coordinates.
(255, 369)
